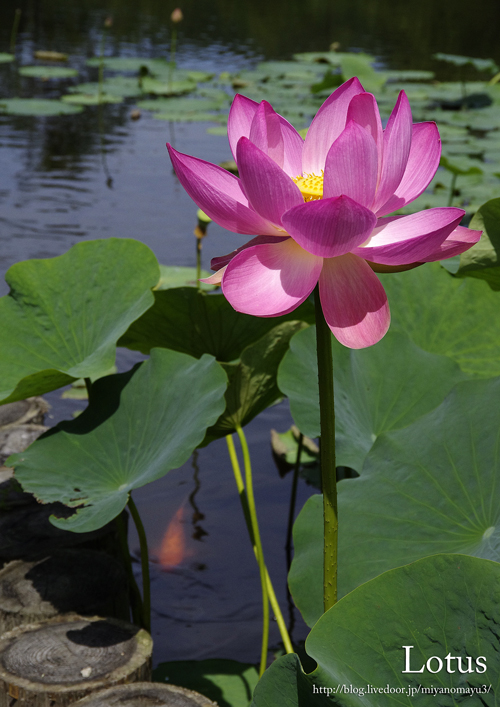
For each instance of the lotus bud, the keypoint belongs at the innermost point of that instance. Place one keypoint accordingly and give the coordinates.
(108, 22)
(177, 16)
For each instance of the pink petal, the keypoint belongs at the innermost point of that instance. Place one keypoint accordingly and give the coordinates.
(265, 133)
(216, 278)
(270, 191)
(399, 240)
(351, 165)
(222, 260)
(397, 143)
(327, 125)
(269, 280)
(218, 193)
(329, 227)
(239, 125)
(240, 119)
(459, 240)
(354, 302)
(422, 164)
(363, 110)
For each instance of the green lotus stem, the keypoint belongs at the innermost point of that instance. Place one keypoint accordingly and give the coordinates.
(293, 498)
(135, 595)
(198, 262)
(146, 585)
(246, 512)
(15, 27)
(327, 454)
(452, 189)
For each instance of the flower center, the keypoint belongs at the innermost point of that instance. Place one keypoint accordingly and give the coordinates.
(311, 186)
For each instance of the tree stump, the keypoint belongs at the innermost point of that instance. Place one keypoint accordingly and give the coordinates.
(69, 581)
(146, 694)
(20, 424)
(56, 662)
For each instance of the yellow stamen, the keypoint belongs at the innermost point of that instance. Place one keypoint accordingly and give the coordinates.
(311, 186)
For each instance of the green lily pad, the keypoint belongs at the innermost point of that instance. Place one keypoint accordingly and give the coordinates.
(194, 117)
(217, 130)
(483, 259)
(195, 323)
(180, 105)
(252, 381)
(172, 276)
(360, 65)
(48, 72)
(408, 75)
(36, 107)
(458, 60)
(438, 606)
(167, 88)
(447, 316)
(91, 99)
(368, 400)
(6, 58)
(429, 488)
(458, 169)
(226, 682)
(129, 64)
(64, 327)
(138, 426)
(333, 58)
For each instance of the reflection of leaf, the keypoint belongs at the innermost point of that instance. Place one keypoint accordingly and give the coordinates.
(36, 106)
(368, 400)
(48, 72)
(138, 426)
(429, 488)
(65, 314)
(227, 682)
(440, 605)
(195, 323)
(483, 259)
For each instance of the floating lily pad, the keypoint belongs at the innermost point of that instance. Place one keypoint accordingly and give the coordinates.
(457, 168)
(48, 72)
(333, 58)
(129, 64)
(90, 99)
(195, 323)
(64, 328)
(458, 60)
(6, 58)
(368, 400)
(167, 88)
(36, 107)
(175, 276)
(227, 682)
(217, 130)
(448, 316)
(179, 105)
(408, 75)
(431, 487)
(138, 426)
(439, 606)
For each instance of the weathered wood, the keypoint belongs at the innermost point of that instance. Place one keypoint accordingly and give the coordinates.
(59, 661)
(69, 581)
(146, 694)
(20, 424)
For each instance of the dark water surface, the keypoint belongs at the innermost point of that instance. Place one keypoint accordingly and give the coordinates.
(59, 186)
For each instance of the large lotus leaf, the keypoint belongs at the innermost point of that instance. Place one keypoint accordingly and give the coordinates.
(449, 316)
(483, 259)
(431, 487)
(380, 388)
(195, 323)
(36, 107)
(252, 381)
(227, 682)
(138, 426)
(64, 315)
(447, 605)
(48, 72)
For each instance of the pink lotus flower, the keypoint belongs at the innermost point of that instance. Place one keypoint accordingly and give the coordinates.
(321, 206)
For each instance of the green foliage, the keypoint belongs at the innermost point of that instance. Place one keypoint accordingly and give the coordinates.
(138, 426)
(172, 276)
(6, 58)
(377, 389)
(48, 72)
(446, 604)
(36, 107)
(431, 487)
(226, 682)
(483, 259)
(458, 60)
(64, 315)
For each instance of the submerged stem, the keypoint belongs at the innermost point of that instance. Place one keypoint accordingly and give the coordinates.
(135, 596)
(327, 454)
(146, 585)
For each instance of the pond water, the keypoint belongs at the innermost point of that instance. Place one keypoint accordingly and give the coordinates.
(100, 173)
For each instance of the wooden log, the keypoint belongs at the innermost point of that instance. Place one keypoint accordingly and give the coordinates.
(146, 694)
(59, 661)
(68, 581)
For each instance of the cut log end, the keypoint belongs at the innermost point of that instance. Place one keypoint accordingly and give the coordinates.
(146, 694)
